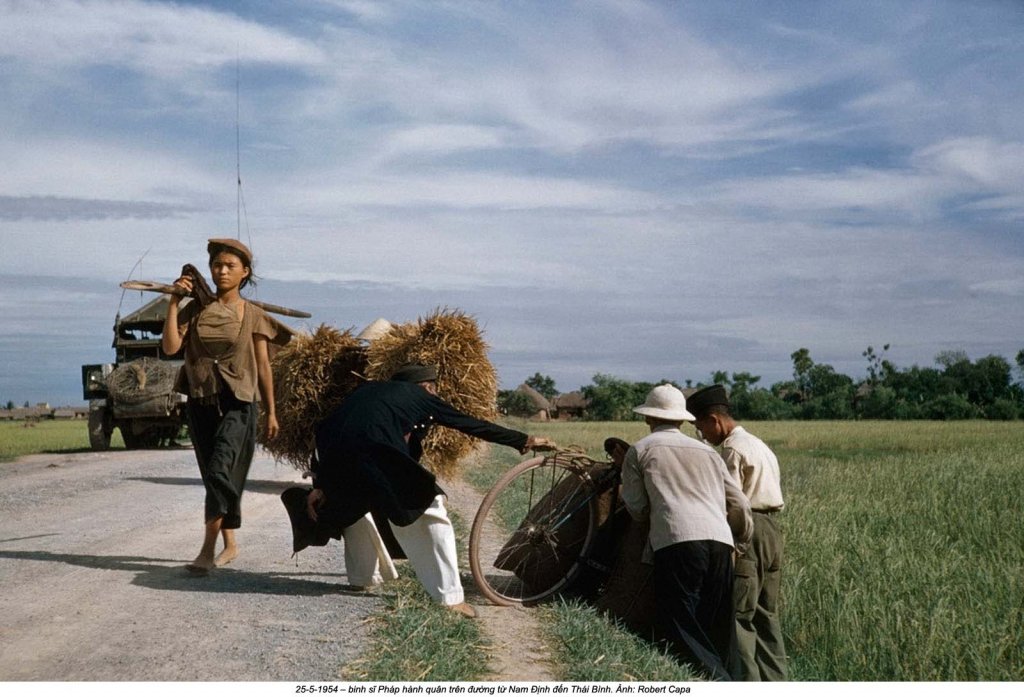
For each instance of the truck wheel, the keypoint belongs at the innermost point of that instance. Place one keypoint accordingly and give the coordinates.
(99, 430)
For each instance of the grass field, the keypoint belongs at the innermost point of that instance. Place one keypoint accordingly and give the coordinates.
(904, 549)
(19, 438)
(904, 557)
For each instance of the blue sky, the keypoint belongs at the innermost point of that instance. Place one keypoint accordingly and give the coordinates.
(646, 189)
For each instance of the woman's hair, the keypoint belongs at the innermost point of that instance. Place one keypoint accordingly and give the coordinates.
(215, 248)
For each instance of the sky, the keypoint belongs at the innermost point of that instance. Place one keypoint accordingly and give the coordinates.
(649, 190)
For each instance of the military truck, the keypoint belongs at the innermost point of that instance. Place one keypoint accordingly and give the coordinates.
(136, 393)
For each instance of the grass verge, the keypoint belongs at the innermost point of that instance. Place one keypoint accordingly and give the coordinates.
(593, 648)
(414, 638)
(19, 438)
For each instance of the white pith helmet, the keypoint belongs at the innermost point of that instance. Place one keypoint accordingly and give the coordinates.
(665, 402)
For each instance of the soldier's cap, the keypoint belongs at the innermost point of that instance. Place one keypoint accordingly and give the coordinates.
(415, 372)
(707, 397)
(305, 531)
(232, 246)
(611, 443)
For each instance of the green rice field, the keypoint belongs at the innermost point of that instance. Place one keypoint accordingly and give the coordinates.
(904, 545)
(19, 438)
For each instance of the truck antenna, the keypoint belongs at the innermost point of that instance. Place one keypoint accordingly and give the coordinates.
(238, 150)
(240, 197)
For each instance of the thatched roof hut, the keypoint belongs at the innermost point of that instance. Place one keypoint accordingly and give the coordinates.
(541, 405)
(570, 405)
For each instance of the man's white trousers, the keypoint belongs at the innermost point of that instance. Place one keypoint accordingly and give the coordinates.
(428, 542)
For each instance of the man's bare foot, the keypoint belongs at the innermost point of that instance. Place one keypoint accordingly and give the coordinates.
(464, 609)
(226, 556)
(362, 588)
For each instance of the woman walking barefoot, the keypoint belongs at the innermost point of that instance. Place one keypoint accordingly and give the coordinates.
(227, 369)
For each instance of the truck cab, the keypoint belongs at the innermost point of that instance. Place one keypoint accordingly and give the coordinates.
(136, 392)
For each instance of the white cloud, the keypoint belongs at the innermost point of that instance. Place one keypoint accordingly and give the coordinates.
(367, 11)
(465, 190)
(873, 191)
(897, 96)
(994, 165)
(81, 168)
(933, 176)
(604, 73)
(437, 139)
(1007, 209)
(169, 41)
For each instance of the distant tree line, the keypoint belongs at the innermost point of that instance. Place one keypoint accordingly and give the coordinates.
(956, 388)
(10, 405)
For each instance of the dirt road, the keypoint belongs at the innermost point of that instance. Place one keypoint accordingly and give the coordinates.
(92, 586)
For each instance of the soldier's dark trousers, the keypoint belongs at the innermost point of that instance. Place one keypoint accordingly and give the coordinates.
(693, 584)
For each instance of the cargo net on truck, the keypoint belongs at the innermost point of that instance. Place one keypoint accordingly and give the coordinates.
(141, 380)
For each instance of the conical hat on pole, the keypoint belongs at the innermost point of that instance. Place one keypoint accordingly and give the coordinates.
(376, 329)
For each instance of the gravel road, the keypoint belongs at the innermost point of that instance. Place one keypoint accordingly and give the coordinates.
(92, 585)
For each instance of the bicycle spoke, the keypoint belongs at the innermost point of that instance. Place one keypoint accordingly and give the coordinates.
(547, 513)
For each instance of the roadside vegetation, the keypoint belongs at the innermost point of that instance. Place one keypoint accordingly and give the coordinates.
(414, 638)
(591, 648)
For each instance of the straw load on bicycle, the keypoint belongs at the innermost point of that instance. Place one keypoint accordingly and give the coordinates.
(312, 375)
(315, 372)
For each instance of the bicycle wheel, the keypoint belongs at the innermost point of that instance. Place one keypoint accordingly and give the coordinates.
(532, 531)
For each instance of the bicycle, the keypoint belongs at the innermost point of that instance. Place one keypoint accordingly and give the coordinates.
(548, 513)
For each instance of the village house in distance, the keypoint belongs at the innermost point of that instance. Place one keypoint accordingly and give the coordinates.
(563, 407)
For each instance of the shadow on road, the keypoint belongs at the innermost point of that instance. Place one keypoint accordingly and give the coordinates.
(154, 573)
(113, 449)
(259, 486)
(30, 537)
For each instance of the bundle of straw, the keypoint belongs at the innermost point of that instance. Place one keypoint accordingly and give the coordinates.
(312, 375)
(466, 379)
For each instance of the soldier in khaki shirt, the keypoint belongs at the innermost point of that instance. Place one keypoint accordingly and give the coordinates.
(762, 653)
(697, 515)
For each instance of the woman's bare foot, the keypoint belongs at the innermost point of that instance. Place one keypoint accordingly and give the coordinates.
(226, 556)
(203, 563)
(230, 550)
(200, 566)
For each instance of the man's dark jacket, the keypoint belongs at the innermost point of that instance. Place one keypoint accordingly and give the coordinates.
(368, 451)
